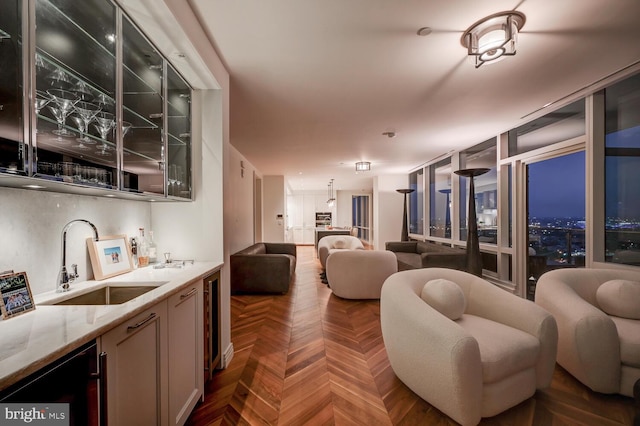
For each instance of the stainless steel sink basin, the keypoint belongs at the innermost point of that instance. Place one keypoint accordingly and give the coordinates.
(111, 294)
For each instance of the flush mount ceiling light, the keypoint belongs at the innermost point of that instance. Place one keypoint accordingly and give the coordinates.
(363, 166)
(494, 37)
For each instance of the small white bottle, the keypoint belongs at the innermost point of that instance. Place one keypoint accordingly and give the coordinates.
(153, 249)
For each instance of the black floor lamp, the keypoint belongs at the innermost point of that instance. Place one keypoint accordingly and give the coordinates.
(474, 262)
(405, 230)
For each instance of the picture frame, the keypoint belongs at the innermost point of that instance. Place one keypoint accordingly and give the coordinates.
(110, 256)
(15, 295)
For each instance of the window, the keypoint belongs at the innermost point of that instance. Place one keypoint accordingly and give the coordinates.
(556, 213)
(416, 202)
(440, 199)
(622, 172)
(486, 189)
(360, 216)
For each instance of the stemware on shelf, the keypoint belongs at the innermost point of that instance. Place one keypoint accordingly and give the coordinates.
(42, 99)
(64, 101)
(104, 122)
(59, 79)
(86, 112)
(80, 124)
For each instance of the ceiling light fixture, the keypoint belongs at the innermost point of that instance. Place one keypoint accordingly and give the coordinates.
(331, 201)
(493, 37)
(363, 166)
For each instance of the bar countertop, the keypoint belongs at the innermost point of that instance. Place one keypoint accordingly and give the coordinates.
(34, 339)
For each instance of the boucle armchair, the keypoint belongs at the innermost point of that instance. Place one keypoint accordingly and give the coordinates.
(467, 347)
(328, 244)
(600, 350)
(359, 274)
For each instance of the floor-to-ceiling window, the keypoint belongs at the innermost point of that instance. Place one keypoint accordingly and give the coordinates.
(556, 213)
(622, 172)
(360, 216)
(486, 189)
(416, 202)
(440, 199)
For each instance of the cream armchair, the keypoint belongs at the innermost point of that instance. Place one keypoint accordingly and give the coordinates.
(359, 274)
(336, 242)
(472, 351)
(602, 351)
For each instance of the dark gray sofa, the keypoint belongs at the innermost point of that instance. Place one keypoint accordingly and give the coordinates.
(420, 254)
(263, 268)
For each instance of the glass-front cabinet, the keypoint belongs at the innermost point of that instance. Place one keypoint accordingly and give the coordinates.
(95, 107)
(12, 148)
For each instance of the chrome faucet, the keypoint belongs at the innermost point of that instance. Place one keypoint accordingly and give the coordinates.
(65, 278)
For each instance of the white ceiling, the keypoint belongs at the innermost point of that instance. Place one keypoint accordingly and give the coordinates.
(314, 84)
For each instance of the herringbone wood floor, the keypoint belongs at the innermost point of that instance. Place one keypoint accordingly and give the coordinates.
(311, 358)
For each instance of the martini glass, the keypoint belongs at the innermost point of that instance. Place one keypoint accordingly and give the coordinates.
(86, 112)
(82, 128)
(42, 99)
(64, 102)
(104, 122)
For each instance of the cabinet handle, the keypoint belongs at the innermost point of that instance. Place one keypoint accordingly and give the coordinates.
(184, 296)
(151, 316)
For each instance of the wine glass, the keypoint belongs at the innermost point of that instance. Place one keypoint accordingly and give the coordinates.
(104, 122)
(64, 102)
(86, 112)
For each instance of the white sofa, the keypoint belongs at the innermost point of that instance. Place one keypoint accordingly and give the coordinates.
(359, 274)
(330, 243)
(495, 355)
(600, 350)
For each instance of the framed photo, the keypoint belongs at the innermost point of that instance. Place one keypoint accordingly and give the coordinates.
(15, 295)
(110, 256)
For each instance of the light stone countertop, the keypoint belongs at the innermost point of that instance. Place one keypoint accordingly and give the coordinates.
(34, 339)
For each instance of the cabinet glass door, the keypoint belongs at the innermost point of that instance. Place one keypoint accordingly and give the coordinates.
(12, 149)
(178, 135)
(74, 97)
(142, 113)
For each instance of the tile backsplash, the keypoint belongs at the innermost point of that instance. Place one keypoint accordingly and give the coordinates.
(31, 224)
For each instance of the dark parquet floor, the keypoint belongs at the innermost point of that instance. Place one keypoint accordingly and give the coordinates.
(311, 358)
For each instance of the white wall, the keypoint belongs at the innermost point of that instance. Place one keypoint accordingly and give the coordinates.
(31, 225)
(387, 208)
(273, 204)
(239, 212)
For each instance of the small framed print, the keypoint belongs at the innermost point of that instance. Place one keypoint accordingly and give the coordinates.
(15, 295)
(110, 256)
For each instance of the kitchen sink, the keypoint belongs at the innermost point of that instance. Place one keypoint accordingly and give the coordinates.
(111, 294)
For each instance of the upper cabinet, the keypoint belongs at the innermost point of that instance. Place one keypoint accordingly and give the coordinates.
(95, 107)
(12, 152)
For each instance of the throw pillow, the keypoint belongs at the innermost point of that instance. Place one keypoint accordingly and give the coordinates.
(620, 298)
(446, 297)
(339, 243)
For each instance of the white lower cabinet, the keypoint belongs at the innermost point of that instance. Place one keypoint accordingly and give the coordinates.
(154, 362)
(186, 352)
(136, 369)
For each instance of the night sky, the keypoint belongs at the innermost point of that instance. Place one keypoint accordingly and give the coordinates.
(557, 187)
